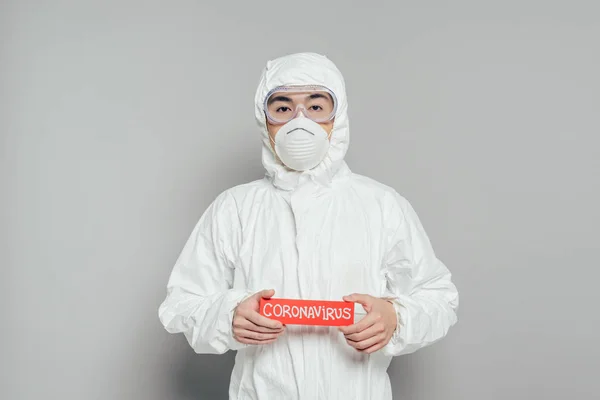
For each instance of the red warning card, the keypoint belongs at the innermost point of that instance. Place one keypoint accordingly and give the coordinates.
(308, 312)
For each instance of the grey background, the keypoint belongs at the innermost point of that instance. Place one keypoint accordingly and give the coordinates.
(121, 121)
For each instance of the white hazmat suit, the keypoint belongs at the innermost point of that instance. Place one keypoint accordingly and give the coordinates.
(318, 234)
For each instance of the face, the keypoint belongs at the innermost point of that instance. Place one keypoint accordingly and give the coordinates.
(283, 106)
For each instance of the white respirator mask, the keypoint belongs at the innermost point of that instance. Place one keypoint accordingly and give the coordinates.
(301, 144)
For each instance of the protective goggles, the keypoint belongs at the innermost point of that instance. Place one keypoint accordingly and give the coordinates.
(284, 103)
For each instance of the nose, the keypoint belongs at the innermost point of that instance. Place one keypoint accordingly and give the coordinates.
(300, 112)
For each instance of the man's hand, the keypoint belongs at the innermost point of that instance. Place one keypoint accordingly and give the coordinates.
(250, 327)
(375, 330)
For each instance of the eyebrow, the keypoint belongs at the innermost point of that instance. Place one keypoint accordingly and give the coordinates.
(319, 96)
(279, 98)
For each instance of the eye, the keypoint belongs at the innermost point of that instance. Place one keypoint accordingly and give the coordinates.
(283, 109)
(316, 108)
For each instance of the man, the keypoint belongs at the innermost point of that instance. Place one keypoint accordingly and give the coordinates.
(311, 229)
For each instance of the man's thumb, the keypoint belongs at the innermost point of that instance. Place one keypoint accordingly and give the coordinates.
(358, 298)
(266, 294)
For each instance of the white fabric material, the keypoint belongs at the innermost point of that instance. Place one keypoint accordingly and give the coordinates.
(318, 234)
(301, 144)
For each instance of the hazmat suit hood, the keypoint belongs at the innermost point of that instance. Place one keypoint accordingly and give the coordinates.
(304, 69)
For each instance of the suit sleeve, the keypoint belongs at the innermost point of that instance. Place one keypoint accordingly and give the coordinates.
(201, 297)
(419, 285)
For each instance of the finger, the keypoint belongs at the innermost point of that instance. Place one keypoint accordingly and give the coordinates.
(373, 349)
(266, 294)
(373, 330)
(243, 323)
(254, 341)
(361, 325)
(365, 344)
(363, 299)
(256, 335)
(261, 320)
